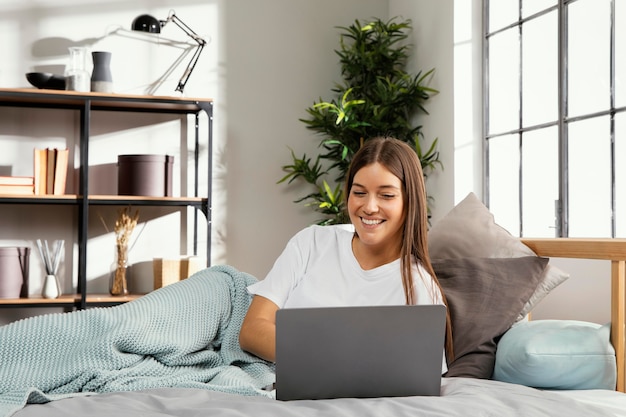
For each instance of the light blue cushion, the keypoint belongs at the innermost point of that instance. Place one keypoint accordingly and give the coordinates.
(557, 354)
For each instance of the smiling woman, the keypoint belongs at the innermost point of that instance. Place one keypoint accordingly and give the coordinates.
(383, 261)
(376, 209)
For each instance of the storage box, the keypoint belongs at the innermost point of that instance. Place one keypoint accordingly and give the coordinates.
(14, 262)
(145, 175)
(169, 271)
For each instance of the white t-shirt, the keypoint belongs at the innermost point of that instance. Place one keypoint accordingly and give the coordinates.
(318, 269)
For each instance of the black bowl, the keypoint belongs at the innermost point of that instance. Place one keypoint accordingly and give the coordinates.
(46, 80)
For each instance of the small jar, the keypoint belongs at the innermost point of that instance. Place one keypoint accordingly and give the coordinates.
(77, 78)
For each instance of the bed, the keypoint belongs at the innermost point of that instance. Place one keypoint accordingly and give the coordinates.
(236, 386)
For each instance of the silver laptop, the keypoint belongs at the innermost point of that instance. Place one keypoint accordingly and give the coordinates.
(382, 351)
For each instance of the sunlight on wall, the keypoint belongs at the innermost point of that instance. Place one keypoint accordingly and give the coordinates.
(467, 100)
(11, 48)
(37, 36)
(41, 36)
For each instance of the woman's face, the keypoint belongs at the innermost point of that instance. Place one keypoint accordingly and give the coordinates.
(376, 207)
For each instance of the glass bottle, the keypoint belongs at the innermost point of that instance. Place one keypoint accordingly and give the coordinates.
(118, 283)
(77, 78)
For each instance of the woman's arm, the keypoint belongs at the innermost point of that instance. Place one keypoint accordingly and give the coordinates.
(258, 330)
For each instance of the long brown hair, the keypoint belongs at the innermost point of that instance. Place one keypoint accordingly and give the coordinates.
(403, 162)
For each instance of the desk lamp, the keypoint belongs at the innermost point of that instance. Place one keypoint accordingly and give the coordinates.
(148, 23)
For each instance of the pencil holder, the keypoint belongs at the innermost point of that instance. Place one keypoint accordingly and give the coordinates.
(51, 259)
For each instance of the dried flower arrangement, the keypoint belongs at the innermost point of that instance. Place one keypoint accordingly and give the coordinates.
(124, 226)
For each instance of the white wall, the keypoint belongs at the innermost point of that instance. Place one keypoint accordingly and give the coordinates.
(433, 37)
(279, 58)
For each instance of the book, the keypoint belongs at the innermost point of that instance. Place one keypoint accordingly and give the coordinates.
(60, 171)
(17, 189)
(11, 180)
(50, 170)
(40, 169)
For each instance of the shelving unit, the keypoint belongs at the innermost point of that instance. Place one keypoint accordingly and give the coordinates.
(85, 104)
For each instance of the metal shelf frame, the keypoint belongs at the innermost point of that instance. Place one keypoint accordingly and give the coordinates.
(85, 104)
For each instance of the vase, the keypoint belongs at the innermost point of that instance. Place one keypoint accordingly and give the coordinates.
(51, 287)
(118, 284)
(101, 78)
(76, 75)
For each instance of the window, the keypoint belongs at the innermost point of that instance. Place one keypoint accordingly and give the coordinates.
(555, 116)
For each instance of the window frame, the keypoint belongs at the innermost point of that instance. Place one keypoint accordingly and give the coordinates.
(563, 120)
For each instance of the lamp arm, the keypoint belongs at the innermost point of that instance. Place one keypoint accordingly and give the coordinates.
(188, 31)
(196, 55)
(189, 69)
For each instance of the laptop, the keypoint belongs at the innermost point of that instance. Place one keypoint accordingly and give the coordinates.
(360, 352)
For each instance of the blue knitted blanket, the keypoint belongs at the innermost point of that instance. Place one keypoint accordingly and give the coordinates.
(182, 335)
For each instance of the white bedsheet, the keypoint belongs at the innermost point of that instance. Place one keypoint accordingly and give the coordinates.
(460, 397)
(608, 400)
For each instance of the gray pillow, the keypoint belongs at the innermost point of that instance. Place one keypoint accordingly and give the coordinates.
(485, 296)
(469, 231)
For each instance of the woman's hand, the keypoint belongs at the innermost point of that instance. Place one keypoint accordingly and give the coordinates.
(258, 330)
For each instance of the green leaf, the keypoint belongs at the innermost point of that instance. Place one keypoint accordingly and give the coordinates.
(329, 192)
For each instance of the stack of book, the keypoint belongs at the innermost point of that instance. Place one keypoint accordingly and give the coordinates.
(50, 171)
(50, 175)
(17, 185)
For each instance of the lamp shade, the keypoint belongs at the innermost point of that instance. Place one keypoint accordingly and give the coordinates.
(146, 23)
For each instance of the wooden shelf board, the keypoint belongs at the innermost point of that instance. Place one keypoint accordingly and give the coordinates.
(73, 198)
(107, 298)
(37, 300)
(144, 198)
(41, 196)
(101, 101)
(69, 299)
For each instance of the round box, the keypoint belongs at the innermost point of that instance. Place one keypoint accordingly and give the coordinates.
(145, 175)
(14, 263)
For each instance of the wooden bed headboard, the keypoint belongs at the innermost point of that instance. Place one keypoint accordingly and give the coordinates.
(613, 250)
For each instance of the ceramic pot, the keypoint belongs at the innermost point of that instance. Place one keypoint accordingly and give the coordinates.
(14, 263)
(51, 287)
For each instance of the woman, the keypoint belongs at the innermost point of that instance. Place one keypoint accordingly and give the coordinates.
(383, 262)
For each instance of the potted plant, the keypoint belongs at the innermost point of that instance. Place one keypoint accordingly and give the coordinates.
(376, 97)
